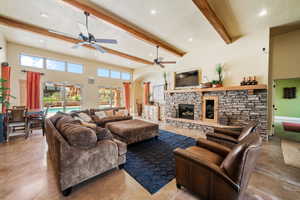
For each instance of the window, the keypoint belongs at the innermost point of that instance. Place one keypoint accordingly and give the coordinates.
(31, 61)
(55, 65)
(103, 72)
(115, 74)
(75, 68)
(110, 97)
(126, 76)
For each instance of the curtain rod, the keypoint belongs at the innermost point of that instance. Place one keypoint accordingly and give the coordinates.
(29, 71)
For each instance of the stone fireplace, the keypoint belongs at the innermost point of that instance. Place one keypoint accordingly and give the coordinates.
(217, 108)
(186, 111)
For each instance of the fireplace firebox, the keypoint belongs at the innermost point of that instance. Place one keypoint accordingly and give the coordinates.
(186, 111)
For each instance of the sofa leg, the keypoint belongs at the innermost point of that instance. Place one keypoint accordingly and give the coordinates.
(121, 166)
(178, 186)
(67, 191)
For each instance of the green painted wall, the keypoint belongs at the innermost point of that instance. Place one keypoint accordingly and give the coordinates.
(287, 107)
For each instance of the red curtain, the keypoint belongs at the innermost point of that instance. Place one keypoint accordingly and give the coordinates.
(146, 92)
(33, 90)
(127, 95)
(5, 74)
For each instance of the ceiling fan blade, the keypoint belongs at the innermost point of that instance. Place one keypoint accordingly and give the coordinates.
(108, 41)
(162, 66)
(79, 44)
(83, 30)
(62, 33)
(98, 47)
(168, 62)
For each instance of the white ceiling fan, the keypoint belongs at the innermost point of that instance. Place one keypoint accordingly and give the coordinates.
(159, 60)
(86, 37)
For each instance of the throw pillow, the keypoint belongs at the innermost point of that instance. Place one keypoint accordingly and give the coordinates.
(100, 114)
(103, 134)
(78, 135)
(85, 117)
(88, 125)
(122, 113)
(109, 113)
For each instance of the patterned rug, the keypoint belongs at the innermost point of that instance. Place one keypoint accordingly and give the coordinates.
(152, 163)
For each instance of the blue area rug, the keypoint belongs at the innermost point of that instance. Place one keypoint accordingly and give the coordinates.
(152, 162)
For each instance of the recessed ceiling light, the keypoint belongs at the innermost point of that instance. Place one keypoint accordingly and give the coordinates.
(190, 39)
(42, 41)
(263, 12)
(153, 12)
(45, 15)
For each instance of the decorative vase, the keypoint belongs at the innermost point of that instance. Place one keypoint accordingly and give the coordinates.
(217, 85)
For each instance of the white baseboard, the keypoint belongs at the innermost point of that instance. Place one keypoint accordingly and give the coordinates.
(286, 119)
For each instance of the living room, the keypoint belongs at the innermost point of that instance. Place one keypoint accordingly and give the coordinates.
(156, 108)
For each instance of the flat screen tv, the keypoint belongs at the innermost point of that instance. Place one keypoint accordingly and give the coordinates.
(187, 79)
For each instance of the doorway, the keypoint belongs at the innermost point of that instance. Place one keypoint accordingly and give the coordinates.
(61, 97)
(286, 108)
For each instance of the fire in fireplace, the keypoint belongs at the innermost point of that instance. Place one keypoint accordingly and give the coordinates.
(186, 111)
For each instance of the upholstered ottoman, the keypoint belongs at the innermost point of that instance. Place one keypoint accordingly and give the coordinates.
(132, 131)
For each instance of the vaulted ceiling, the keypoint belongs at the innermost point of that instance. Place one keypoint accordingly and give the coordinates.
(177, 22)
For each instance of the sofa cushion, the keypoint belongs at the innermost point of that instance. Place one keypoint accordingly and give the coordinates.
(54, 119)
(103, 121)
(103, 134)
(122, 112)
(100, 114)
(206, 155)
(85, 117)
(109, 113)
(78, 135)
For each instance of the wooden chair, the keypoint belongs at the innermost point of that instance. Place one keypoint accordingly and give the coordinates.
(37, 122)
(16, 120)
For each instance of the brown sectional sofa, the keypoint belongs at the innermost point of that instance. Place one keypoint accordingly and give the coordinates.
(79, 153)
(103, 121)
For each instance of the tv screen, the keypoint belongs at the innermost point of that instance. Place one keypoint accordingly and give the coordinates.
(186, 79)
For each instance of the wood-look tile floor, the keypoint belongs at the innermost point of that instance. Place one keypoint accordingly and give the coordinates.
(26, 173)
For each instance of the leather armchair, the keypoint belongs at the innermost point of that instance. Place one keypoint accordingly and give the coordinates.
(216, 172)
(230, 137)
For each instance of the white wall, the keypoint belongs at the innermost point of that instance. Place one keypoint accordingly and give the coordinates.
(243, 57)
(3, 57)
(89, 92)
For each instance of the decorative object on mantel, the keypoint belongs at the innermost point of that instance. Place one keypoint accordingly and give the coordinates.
(250, 81)
(205, 84)
(219, 82)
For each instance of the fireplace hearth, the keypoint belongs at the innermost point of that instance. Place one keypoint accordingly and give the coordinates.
(186, 111)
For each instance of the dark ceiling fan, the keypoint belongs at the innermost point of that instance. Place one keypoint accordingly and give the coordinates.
(86, 37)
(159, 60)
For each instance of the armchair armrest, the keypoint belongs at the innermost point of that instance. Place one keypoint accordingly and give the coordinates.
(213, 146)
(233, 133)
(213, 168)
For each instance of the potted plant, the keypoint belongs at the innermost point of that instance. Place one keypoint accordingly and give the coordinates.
(219, 82)
(4, 101)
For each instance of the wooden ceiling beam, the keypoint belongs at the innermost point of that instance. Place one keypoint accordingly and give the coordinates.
(35, 29)
(213, 19)
(126, 26)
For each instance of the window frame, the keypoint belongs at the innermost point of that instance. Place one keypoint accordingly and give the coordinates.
(120, 78)
(65, 64)
(25, 54)
(130, 76)
(103, 69)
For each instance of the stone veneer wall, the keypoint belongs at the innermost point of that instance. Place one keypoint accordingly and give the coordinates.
(238, 106)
